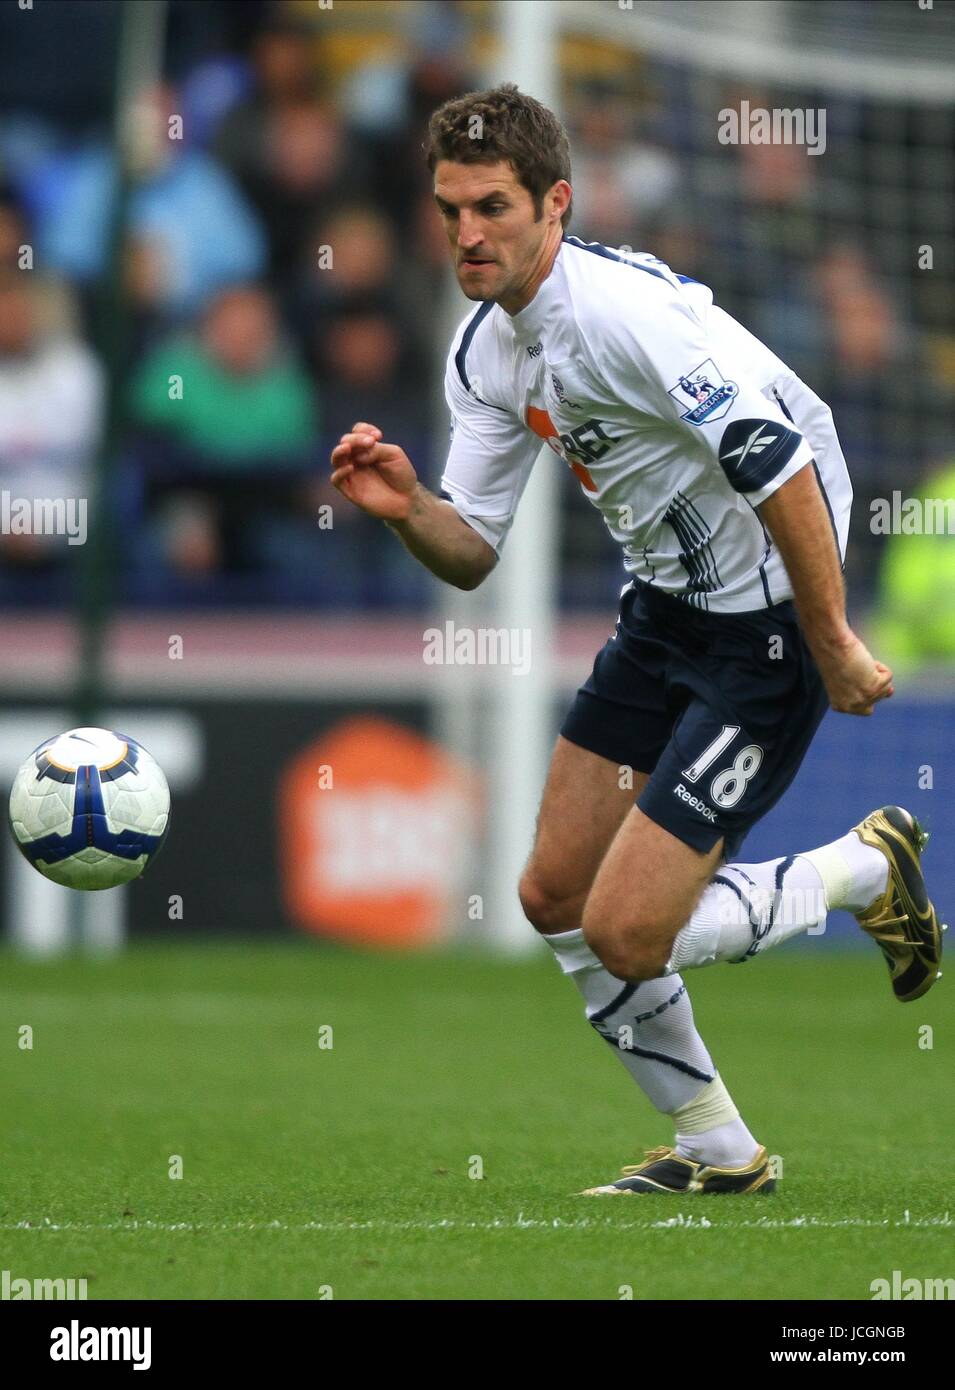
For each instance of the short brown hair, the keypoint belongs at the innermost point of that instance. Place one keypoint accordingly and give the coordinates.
(514, 127)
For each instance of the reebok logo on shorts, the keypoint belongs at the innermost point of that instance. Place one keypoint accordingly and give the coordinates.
(695, 802)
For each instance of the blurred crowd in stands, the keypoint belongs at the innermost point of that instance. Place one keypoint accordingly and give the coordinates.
(283, 267)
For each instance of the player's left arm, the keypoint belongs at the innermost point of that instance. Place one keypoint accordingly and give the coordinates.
(656, 349)
(796, 517)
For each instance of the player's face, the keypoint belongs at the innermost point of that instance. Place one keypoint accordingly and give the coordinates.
(496, 244)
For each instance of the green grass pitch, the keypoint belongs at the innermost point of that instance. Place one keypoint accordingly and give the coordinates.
(307, 1168)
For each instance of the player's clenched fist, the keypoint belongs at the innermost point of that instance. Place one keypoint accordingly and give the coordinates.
(854, 680)
(377, 477)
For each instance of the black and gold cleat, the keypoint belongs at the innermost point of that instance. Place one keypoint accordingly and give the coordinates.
(902, 921)
(664, 1170)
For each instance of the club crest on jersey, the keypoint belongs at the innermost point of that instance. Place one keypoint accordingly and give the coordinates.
(558, 386)
(710, 393)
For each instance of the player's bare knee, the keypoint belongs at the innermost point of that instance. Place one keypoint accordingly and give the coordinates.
(649, 959)
(631, 953)
(546, 909)
(631, 963)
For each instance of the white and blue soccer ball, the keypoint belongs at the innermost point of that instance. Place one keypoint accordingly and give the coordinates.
(90, 808)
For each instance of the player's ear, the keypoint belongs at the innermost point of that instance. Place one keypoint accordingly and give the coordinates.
(560, 197)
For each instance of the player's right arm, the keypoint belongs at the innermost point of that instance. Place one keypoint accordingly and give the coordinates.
(489, 461)
(381, 480)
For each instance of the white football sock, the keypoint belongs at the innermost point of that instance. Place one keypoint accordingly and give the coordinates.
(651, 1029)
(709, 1130)
(854, 874)
(746, 908)
(727, 1146)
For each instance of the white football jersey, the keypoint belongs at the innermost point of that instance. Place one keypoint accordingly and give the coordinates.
(677, 422)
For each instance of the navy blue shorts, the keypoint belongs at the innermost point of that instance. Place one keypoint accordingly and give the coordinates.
(718, 708)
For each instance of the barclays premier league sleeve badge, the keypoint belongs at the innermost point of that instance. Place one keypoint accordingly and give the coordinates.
(703, 394)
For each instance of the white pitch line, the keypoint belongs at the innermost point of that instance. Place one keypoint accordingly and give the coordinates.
(520, 1223)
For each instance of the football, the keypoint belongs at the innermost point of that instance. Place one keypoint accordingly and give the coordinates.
(90, 808)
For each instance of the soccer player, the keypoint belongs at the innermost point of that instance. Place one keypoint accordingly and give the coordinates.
(720, 475)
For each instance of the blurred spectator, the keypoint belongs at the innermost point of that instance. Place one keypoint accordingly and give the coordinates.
(243, 397)
(621, 184)
(51, 406)
(199, 34)
(761, 231)
(397, 175)
(209, 92)
(865, 348)
(227, 404)
(876, 365)
(285, 142)
(862, 328)
(363, 259)
(348, 256)
(186, 215)
(282, 56)
(367, 370)
(388, 91)
(427, 274)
